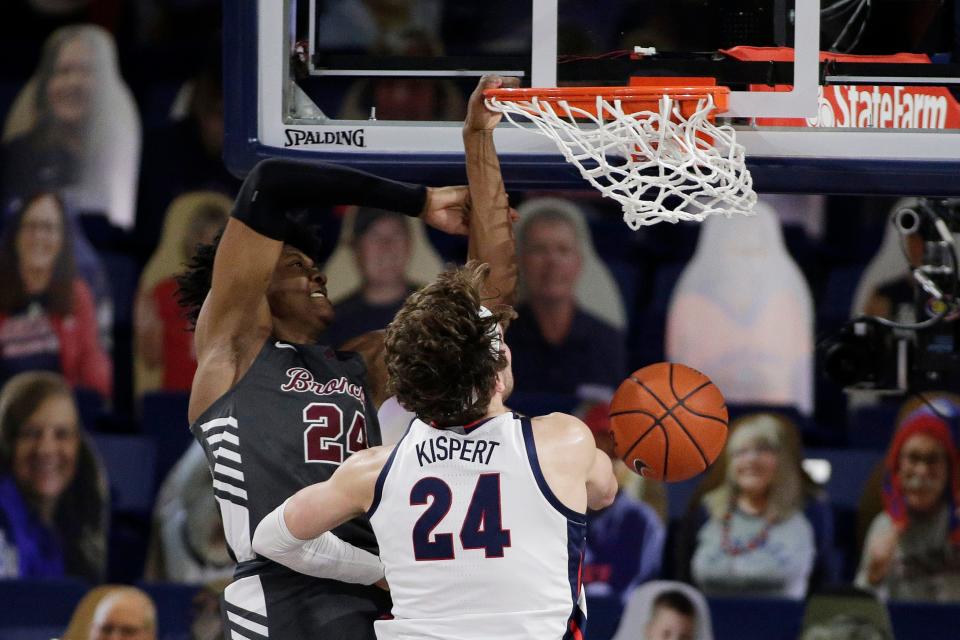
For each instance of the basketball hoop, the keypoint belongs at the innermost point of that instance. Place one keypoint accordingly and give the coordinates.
(654, 149)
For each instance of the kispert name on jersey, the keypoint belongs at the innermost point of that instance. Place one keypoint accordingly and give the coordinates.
(294, 417)
(474, 543)
(446, 448)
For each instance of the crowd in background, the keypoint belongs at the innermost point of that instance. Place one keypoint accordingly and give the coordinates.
(104, 197)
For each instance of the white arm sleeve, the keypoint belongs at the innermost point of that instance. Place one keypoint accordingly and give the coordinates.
(326, 556)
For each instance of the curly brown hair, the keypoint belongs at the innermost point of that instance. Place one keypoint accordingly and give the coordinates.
(439, 355)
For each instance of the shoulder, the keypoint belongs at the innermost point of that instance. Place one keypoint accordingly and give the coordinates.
(562, 427)
(365, 465)
(564, 432)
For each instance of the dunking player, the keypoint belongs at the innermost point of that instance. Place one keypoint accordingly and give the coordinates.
(274, 411)
(480, 514)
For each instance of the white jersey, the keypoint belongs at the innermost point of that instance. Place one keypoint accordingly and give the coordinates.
(474, 543)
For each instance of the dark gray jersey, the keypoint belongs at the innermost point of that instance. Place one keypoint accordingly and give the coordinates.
(295, 416)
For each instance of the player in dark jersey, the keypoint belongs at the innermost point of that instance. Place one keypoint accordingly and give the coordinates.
(274, 411)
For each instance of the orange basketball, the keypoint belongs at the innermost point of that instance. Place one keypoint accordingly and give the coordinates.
(669, 422)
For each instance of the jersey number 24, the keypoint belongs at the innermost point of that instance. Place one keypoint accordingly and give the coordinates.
(321, 439)
(482, 527)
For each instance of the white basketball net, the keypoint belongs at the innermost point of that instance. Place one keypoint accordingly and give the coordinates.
(663, 167)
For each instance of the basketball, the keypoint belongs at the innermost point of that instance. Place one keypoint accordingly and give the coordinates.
(669, 422)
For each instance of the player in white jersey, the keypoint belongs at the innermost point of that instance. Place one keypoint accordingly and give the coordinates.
(480, 514)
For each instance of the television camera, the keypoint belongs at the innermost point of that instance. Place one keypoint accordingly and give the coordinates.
(889, 356)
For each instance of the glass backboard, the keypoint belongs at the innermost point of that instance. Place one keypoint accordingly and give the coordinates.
(829, 96)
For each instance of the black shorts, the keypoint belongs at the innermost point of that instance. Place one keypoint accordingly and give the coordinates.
(284, 605)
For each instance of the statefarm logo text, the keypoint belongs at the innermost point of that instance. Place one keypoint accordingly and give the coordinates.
(875, 107)
(887, 107)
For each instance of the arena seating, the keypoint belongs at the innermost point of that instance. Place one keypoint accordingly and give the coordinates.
(849, 470)
(139, 445)
(41, 609)
(130, 461)
(164, 420)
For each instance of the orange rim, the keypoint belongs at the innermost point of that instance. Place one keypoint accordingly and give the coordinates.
(633, 99)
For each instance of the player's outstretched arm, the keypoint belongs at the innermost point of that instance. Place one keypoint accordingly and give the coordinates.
(602, 484)
(490, 224)
(579, 474)
(254, 236)
(491, 220)
(235, 317)
(297, 533)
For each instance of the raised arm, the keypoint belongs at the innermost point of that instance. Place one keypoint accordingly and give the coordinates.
(491, 227)
(254, 236)
(235, 318)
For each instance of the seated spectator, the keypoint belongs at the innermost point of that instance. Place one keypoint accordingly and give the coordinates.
(376, 263)
(74, 128)
(743, 314)
(53, 496)
(126, 612)
(165, 357)
(845, 613)
(560, 345)
(912, 548)
(188, 544)
(113, 611)
(665, 610)
(185, 154)
(47, 315)
(625, 540)
(89, 265)
(381, 246)
(751, 533)
(943, 403)
(672, 616)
